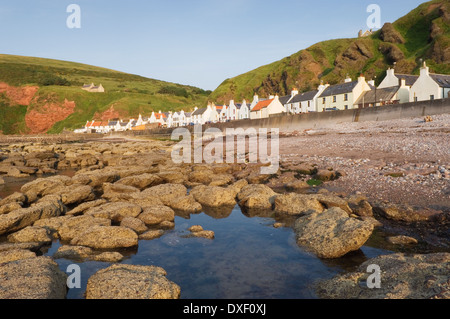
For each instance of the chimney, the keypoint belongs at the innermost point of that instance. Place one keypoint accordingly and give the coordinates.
(371, 82)
(361, 78)
(424, 70)
(271, 97)
(348, 79)
(294, 92)
(390, 72)
(402, 83)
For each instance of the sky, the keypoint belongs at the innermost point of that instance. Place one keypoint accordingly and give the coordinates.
(193, 42)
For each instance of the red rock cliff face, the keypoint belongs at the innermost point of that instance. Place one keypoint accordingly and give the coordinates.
(45, 114)
(40, 121)
(19, 95)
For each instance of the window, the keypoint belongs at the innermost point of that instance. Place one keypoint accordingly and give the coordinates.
(415, 99)
(345, 97)
(323, 101)
(431, 97)
(346, 107)
(334, 99)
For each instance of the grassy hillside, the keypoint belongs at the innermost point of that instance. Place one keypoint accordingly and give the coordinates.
(421, 35)
(126, 94)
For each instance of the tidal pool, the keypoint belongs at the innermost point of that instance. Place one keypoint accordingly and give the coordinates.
(247, 259)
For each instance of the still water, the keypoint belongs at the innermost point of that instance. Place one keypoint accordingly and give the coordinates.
(247, 259)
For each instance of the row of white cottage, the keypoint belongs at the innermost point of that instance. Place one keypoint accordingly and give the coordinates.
(394, 89)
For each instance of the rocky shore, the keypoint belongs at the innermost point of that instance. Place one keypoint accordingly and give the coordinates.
(115, 194)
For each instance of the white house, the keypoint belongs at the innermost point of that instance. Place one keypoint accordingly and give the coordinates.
(243, 110)
(267, 108)
(205, 115)
(222, 112)
(232, 111)
(305, 102)
(342, 96)
(430, 86)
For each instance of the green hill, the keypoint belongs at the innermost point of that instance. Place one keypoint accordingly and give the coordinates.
(421, 35)
(37, 95)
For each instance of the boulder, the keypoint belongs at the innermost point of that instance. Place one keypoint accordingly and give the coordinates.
(81, 253)
(214, 196)
(402, 277)
(48, 185)
(332, 233)
(15, 254)
(115, 211)
(142, 181)
(119, 192)
(297, 204)
(131, 282)
(399, 212)
(24, 217)
(79, 224)
(256, 196)
(402, 240)
(186, 204)
(31, 234)
(360, 206)
(165, 192)
(198, 231)
(151, 234)
(135, 224)
(106, 237)
(32, 278)
(329, 201)
(157, 214)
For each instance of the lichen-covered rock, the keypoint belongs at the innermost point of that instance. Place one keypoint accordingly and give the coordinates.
(332, 233)
(157, 214)
(15, 254)
(31, 234)
(131, 282)
(32, 278)
(214, 196)
(106, 237)
(74, 226)
(24, 217)
(297, 204)
(401, 277)
(116, 211)
(256, 196)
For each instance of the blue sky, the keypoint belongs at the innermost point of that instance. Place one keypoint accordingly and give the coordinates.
(194, 42)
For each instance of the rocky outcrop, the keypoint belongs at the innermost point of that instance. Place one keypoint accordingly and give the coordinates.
(24, 217)
(332, 233)
(256, 196)
(131, 282)
(32, 278)
(297, 204)
(389, 34)
(402, 277)
(214, 196)
(106, 237)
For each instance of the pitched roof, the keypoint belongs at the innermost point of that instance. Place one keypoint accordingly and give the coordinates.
(306, 96)
(261, 105)
(441, 79)
(285, 99)
(385, 94)
(339, 89)
(409, 79)
(199, 111)
(96, 123)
